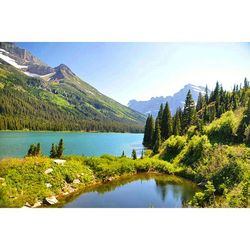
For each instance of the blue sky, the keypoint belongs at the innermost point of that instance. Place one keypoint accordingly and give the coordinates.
(126, 71)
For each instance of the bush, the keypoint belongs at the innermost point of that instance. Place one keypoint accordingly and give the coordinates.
(172, 147)
(194, 150)
(223, 129)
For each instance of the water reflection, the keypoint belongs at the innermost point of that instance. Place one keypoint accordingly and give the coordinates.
(142, 190)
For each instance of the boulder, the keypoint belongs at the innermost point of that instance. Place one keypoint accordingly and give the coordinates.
(37, 204)
(48, 171)
(59, 161)
(48, 185)
(76, 181)
(50, 200)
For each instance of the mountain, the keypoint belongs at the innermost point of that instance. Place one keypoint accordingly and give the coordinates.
(35, 96)
(177, 100)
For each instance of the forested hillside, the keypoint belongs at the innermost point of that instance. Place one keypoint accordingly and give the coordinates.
(64, 102)
(208, 142)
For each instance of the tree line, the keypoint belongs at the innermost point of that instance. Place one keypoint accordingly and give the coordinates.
(208, 108)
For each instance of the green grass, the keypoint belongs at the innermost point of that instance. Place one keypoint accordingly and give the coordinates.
(24, 180)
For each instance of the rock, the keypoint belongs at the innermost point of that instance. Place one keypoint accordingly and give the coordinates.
(110, 179)
(49, 170)
(37, 204)
(27, 204)
(76, 181)
(65, 193)
(48, 185)
(71, 190)
(50, 200)
(60, 162)
(2, 179)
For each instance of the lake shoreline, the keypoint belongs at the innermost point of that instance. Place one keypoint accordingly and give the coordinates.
(67, 181)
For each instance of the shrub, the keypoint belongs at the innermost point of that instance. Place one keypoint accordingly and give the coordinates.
(223, 129)
(194, 150)
(172, 147)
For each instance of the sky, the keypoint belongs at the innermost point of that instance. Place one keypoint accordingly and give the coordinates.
(125, 71)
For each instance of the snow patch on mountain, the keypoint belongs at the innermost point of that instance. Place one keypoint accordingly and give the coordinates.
(10, 60)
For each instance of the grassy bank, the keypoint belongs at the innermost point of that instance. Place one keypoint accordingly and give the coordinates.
(32, 179)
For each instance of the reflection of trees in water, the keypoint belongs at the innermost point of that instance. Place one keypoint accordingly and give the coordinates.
(162, 188)
(180, 189)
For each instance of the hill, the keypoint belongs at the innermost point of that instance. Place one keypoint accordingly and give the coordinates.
(36, 96)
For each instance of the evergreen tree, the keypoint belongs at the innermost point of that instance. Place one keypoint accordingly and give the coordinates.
(60, 148)
(160, 113)
(149, 131)
(53, 151)
(32, 150)
(142, 154)
(166, 128)
(206, 95)
(246, 83)
(177, 124)
(189, 112)
(199, 104)
(123, 154)
(134, 156)
(38, 149)
(157, 136)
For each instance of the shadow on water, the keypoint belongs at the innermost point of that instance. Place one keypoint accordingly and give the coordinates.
(141, 190)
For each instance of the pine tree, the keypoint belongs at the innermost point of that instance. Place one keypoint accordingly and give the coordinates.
(60, 148)
(166, 128)
(53, 151)
(199, 104)
(160, 113)
(246, 83)
(134, 156)
(157, 136)
(206, 95)
(38, 150)
(123, 154)
(142, 154)
(32, 150)
(177, 124)
(149, 131)
(189, 112)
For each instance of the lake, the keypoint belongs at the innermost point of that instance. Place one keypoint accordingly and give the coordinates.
(139, 191)
(16, 144)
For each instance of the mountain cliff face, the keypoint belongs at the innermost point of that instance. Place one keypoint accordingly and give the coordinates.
(177, 100)
(68, 99)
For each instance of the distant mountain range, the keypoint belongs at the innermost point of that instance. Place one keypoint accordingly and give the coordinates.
(34, 95)
(177, 100)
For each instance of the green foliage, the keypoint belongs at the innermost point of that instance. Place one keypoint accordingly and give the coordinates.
(172, 147)
(56, 151)
(166, 123)
(189, 112)
(194, 150)
(149, 132)
(157, 137)
(134, 155)
(206, 198)
(34, 150)
(223, 129)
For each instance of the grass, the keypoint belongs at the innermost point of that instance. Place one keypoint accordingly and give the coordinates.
(25, 180)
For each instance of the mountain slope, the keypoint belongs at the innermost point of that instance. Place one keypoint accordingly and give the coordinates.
(32, 91)
(177, 100)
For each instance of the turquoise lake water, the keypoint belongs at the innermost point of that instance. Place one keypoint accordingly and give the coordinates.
(16, 144)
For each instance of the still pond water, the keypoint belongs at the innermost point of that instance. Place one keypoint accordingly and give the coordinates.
(139, 191)
(91, 144)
